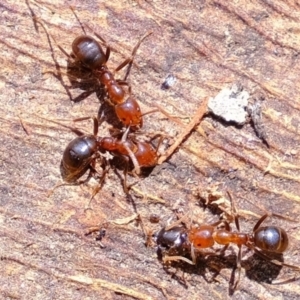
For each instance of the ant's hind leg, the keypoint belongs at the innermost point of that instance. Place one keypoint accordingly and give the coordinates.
(73, 10)
(103, 41)
(98, 188)
(233, 285)
(260, 221)
(134, 51)
(129, 61)
(78, 182)
(234, 212)
(125, 186)
(96, 123)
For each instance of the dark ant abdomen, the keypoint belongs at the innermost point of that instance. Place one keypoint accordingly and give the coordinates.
(77, 157)
(175, 237)
(271, 238)
(88, 51)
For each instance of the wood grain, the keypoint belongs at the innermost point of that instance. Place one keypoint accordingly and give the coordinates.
(206, 45)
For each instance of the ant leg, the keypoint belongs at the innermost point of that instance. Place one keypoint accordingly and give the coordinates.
(233, 285)
(125, 186)
(75, 130)
(182, 220)
(95, 121)
(97, 35)
(136, 165)
(96, 191)
(107, 53)
(122, 82)
(193, 254)
(134, 51)
(122, 65)
(273, 261)
(234, 212)
(161, 138)
(73, 10)
(80, 182)
(221, 252)
(150, 112)
(239, 266)
(108, 48)
(82, 96)
(96, 126)
(239, 256)
(62, 49)
(260, 221)
(129, 61)
(59, 72)
(37, 20)
(101, 117)
(125, 135)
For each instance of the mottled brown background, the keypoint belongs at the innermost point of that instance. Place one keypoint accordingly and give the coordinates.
(206, 45)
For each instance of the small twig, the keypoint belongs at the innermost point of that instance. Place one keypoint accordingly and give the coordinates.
(25, 127)
(155, 198)
(125, 221)
(195, 121)
(176, 258)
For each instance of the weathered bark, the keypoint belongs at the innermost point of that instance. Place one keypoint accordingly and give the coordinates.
(206, 45)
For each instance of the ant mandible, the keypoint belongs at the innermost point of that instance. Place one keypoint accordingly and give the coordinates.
(263, 240)
(81, 153)
(88, 52)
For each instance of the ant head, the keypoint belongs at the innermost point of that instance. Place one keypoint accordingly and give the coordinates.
(129, 113)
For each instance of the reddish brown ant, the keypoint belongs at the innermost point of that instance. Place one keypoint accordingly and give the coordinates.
(81, 153)
(87, 52)
(89, 58)
(178, 240)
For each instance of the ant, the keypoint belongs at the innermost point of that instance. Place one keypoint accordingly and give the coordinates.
(87, 52)
(264, 240)
(82, 152)
(88, 55)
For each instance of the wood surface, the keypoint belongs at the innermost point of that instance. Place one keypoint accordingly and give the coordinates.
(206, 46)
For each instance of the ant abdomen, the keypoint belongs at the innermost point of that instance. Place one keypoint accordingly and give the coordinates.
(77, 157)
(88, 51)
(146, 155)
(175, 237)
(271, 238)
